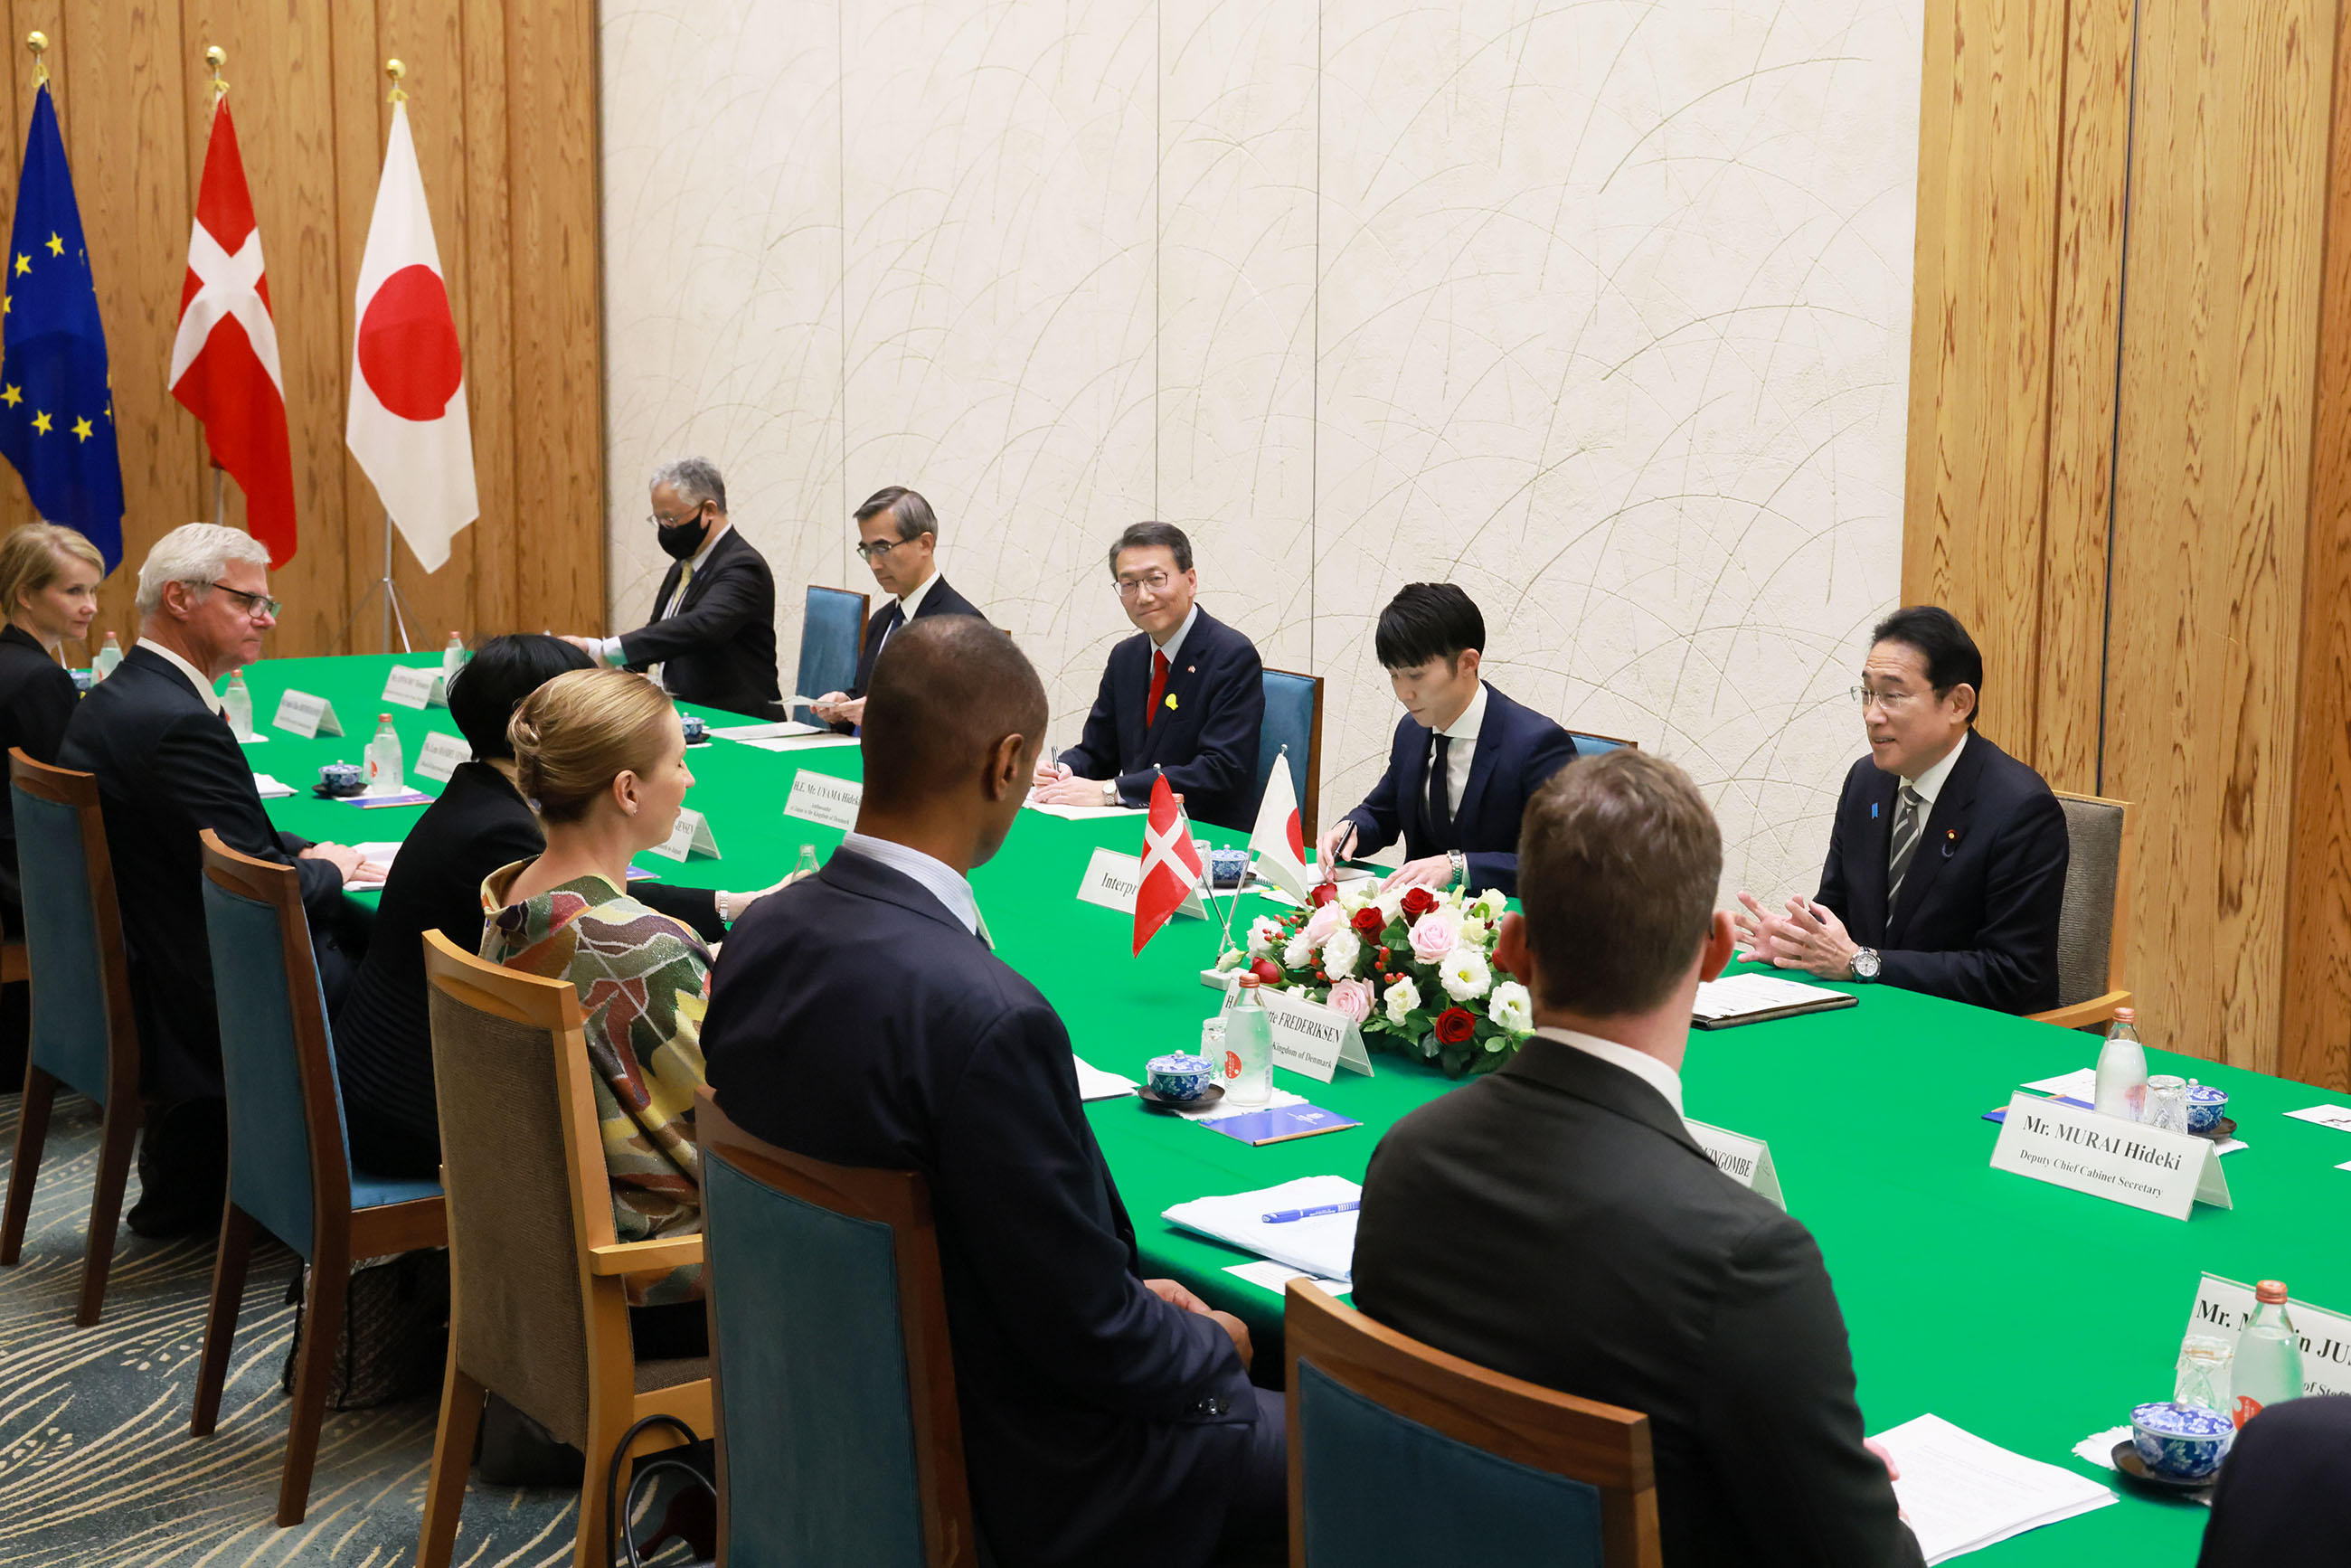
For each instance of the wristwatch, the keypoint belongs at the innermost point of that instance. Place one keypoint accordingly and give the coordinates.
(718, 903)
(1110, 792)
(1864, 963)
(1460, 868)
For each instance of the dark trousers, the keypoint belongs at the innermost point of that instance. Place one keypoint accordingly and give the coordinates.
(1257, 1520)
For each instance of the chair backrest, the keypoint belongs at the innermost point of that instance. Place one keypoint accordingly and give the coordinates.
(832, 1379)
(832, 626)
(1401, 1455)
(1594, 744)
(1293, 718)
(2094, 921)
(83, 1030)
(523, 1173)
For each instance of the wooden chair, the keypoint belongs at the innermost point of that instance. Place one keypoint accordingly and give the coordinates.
(290, 1163)
(1401, 1455)
(1588, 745)
(839, 1439)
(84, 1034)
(1293, 721)
(2094, 922)
(538, 1292)
(833, 634)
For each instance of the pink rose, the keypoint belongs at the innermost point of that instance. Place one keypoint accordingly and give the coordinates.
(1352, 998)
(1435, 935)
(1323, 922)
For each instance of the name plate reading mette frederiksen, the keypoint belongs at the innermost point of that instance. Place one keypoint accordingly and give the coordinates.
(416, 688)
(2129, 1162)
(1311, 1038)
(1113, 880)
(821, 798)
(441, 755)
(1745, 1160)
(299, 713)
(690, 836)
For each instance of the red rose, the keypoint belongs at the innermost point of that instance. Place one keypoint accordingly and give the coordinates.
(1370, 922)
(1266, 969)
(1325, 893)
(1455, 1025)
(1418, 902)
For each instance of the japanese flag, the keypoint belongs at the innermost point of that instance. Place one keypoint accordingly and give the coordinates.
(1171, 866)
(408, 423)
(1278, 840)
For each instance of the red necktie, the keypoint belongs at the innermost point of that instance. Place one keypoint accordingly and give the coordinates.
(1158, 686)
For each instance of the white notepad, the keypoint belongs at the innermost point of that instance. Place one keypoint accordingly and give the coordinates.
(1963, 1494)
(1094, 1083)
(1750, 994)
(1323, 1246)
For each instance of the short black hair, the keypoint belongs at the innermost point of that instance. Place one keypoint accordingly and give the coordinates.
(494, 682)
(906, 509)
(1428, 621)
(945, 690)
(1951, 656)
(1154, 536)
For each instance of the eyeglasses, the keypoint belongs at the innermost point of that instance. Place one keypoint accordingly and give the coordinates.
(657, 521)
(1888, 702)
(869, 553)
(257, 605)
(1157, 582)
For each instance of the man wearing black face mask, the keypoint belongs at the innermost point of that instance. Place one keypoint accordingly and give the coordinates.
(712, 639)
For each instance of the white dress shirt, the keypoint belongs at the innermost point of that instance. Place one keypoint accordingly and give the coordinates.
(1175, 644)
(609, 649)
(1463, 733)
(908, 604)
(196, 677)
(933, 875)
(1639, 1063)
(1929, 784)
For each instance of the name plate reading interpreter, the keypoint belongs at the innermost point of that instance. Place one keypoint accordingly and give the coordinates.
(415, 688)
(821, 798)
(299, 713)
(1745, 1160)
(1113, 880)
(2222, 1305)
(2129, 1162)
(1311, 1037)
(690, 837)
(441, 755)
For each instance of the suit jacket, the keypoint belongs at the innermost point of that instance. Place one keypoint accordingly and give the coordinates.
(168, 768)
(1518, 750)
(1204, 737)
(2283, 1500)
(942, 600)
(1556, 1222)
(1976, 921)
(36, 698)
(1101, 1425)
(719, 646)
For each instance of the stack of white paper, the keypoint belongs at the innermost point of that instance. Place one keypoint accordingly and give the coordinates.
(1323, 1246)
(1734, 996)
(380, 854)
(775, 731)
(1962, 1493)
(1086, 813)
(269, 789)
(1094, 1083)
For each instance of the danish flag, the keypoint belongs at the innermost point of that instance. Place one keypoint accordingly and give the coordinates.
(225, 366)
(1171, 866)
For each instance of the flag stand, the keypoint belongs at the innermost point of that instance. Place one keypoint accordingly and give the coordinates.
(394, 612)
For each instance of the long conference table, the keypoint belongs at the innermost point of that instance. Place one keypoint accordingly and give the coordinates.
(2029, 1315)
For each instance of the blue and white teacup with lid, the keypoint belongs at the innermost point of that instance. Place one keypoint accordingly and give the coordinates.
(2206, 1106)
(1180, 1076)
(2183, 1442)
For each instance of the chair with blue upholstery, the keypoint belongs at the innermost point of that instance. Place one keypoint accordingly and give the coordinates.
(84, 1035)
(1594, 744)
(833, 1384)
(1401, 1455)
(289, 1164)
(832, 632)
(1294, 722)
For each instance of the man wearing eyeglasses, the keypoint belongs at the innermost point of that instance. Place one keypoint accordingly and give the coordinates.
(898, 541)
(1947, 863)
(712, 639)
(1185, 697)
(168, 766)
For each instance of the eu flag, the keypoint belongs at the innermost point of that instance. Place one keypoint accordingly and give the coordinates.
(56, 410)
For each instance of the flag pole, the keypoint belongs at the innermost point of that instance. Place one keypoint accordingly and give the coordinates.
(38, 42)
(220, 497)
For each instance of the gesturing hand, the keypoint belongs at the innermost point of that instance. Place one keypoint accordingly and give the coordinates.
(1814, 939)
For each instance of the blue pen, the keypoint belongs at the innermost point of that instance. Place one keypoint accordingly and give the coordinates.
(1284, 1216)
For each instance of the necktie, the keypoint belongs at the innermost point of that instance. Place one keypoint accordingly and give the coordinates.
(897, 618)
(685, 576)
(1158, 687)
(1905, 841)
(1440, 793)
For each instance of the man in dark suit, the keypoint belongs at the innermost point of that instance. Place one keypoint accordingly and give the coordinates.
(1107, 1418)
(1555, 1221)
(712, 639)
(1184, 697)
(1946, 870)
(1465, 761)
(898, 538)
(2283, 1500)
(168, 768)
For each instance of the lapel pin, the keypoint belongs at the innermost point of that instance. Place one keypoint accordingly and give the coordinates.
(1950, 842)
(1171, 699)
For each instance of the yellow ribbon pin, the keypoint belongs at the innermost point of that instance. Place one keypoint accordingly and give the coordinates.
(1171, 699)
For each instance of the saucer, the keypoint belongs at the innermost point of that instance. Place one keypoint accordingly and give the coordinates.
(2127, 1459)
(1158, 1101)
(2226, 1127)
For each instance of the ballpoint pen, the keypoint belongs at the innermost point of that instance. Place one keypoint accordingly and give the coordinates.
(1284, 1216)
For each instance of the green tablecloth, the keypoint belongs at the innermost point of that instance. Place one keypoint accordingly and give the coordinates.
(2029, 1315)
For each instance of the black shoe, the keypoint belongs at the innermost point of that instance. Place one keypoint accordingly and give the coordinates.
(159, 1219)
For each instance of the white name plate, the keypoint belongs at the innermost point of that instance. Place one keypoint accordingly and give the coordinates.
(441, 755)
(299, 713)
(1312, 1037)
(821, 798)
(2222, 1306)
(691, 836)
(415, 688)
(2129, 1162)
(1745, 1160)
(1112, 881)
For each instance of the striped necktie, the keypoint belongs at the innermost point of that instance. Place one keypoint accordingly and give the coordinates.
(1905, 841)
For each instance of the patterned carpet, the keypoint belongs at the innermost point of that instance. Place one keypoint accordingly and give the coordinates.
(97, 1467)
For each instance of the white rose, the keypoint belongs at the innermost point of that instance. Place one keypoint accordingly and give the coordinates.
(1341, 953)
(1296, 952)
(1264, 932)
(1232, 960)
(1511, 1008)
(1391, 904)
(1401, 998)
(1487, 906)
(1465, 975)
(1477, 933)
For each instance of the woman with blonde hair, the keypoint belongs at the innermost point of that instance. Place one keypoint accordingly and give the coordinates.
(601, 756)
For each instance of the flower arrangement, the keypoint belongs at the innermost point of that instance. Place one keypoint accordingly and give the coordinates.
(1413, 967)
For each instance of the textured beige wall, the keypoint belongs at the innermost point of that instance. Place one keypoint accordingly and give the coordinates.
(1599, 311)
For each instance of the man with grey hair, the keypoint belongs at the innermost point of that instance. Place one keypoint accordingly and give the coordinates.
(712, 639)
(898, 539)
(168, 766)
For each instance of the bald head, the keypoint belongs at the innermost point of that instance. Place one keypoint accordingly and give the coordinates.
(945, 693)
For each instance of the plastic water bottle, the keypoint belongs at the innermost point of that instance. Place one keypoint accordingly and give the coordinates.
(239, 703)
(806, 866)
(1249, 1047)
(452, 659)
(2267, 1367)
(108, 655)
(383, 769)
(2122, 1069)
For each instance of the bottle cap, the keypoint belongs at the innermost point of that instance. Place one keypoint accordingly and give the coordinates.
(1247, 979)
(2269, 1292)
(2126, 1015)
(383, 718)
